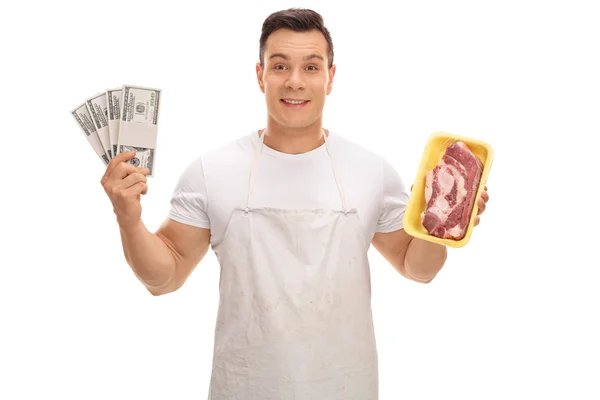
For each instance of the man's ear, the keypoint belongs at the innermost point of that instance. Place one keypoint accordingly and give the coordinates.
(331, 76)
(259, 77)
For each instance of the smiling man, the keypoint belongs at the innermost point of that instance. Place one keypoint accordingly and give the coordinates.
(290, 212)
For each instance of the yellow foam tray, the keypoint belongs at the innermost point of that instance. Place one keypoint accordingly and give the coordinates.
(434, 150)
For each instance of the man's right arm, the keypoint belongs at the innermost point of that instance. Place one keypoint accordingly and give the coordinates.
(164, 260)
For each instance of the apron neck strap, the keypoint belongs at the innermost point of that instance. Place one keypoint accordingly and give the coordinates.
(256, 158)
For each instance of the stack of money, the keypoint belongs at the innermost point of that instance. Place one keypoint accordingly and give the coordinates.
(122, 119)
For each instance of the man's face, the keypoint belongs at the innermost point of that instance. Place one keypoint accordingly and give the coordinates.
(295, 78)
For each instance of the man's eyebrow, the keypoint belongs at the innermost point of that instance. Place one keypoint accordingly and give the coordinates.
(287, 58)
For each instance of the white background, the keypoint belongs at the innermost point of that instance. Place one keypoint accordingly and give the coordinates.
(513, 315)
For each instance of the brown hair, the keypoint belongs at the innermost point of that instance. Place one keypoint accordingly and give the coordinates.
(296, 19)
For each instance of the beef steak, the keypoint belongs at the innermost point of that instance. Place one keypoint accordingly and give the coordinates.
(450, 190)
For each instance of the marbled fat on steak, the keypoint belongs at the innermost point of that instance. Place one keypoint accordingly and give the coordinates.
(450, 190)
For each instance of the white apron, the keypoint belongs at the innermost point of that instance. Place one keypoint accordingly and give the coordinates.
(294, 319)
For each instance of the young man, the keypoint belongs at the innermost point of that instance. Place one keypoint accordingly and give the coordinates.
(290, 212)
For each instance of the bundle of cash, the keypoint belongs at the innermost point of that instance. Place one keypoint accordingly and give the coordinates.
(122, 119)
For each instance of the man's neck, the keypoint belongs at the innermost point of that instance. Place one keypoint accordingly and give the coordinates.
(295, 142)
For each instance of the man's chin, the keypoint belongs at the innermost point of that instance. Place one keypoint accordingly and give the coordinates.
(295, 125)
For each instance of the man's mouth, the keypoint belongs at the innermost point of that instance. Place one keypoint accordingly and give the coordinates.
(294, 103)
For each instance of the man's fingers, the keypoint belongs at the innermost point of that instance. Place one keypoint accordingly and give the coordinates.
(132, 179)
(485, 196)
(123, 176)
(124, 169)
(480, 206)
(136, 190)
(476, 221)
(125, 156)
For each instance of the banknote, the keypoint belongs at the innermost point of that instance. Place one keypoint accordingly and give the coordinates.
(113, 101)
(144, 157)
(84, 119)
(97, 108)
(138, 127)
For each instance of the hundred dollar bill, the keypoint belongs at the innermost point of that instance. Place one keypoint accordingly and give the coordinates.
(144, 157)
(97, 107)
(84, 119)
(113, 102)
(138, 129)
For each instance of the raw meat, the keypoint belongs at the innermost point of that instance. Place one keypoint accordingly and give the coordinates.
(450, 190)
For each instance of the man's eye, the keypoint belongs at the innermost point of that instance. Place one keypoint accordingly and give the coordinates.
(313, 68)
(279, 67)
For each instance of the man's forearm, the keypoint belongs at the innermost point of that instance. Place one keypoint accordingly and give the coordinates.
(424, 259)
(149, 257)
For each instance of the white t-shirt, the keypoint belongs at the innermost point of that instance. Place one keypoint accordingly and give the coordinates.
(217, 182)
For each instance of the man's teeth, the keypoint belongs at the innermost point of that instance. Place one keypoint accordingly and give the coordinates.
(294, 101)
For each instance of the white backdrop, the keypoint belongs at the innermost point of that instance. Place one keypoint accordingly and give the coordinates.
(511, 315)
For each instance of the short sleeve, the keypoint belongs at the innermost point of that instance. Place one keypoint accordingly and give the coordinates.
(394, 200)
(189, 198)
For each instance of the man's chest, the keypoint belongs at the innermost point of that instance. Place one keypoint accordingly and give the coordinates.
(294, 192)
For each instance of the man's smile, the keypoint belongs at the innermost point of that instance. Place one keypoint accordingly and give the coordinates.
(294, 103)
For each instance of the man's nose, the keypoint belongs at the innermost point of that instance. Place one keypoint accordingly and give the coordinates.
(295, 80)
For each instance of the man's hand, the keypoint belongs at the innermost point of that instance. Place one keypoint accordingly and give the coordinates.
(481, 203)
(124, 183)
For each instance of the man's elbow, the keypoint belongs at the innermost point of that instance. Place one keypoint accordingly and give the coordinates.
(414, 277)
(428, 280)
(158, 291)
(402, 270)
(166, 288)
(421, 280)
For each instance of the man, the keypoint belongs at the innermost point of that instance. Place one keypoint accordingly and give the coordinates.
(290, 212)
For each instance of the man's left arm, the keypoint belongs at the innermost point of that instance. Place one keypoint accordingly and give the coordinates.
(423, 259)
(416, 259)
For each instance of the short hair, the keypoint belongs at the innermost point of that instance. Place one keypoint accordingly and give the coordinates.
(298, 20)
